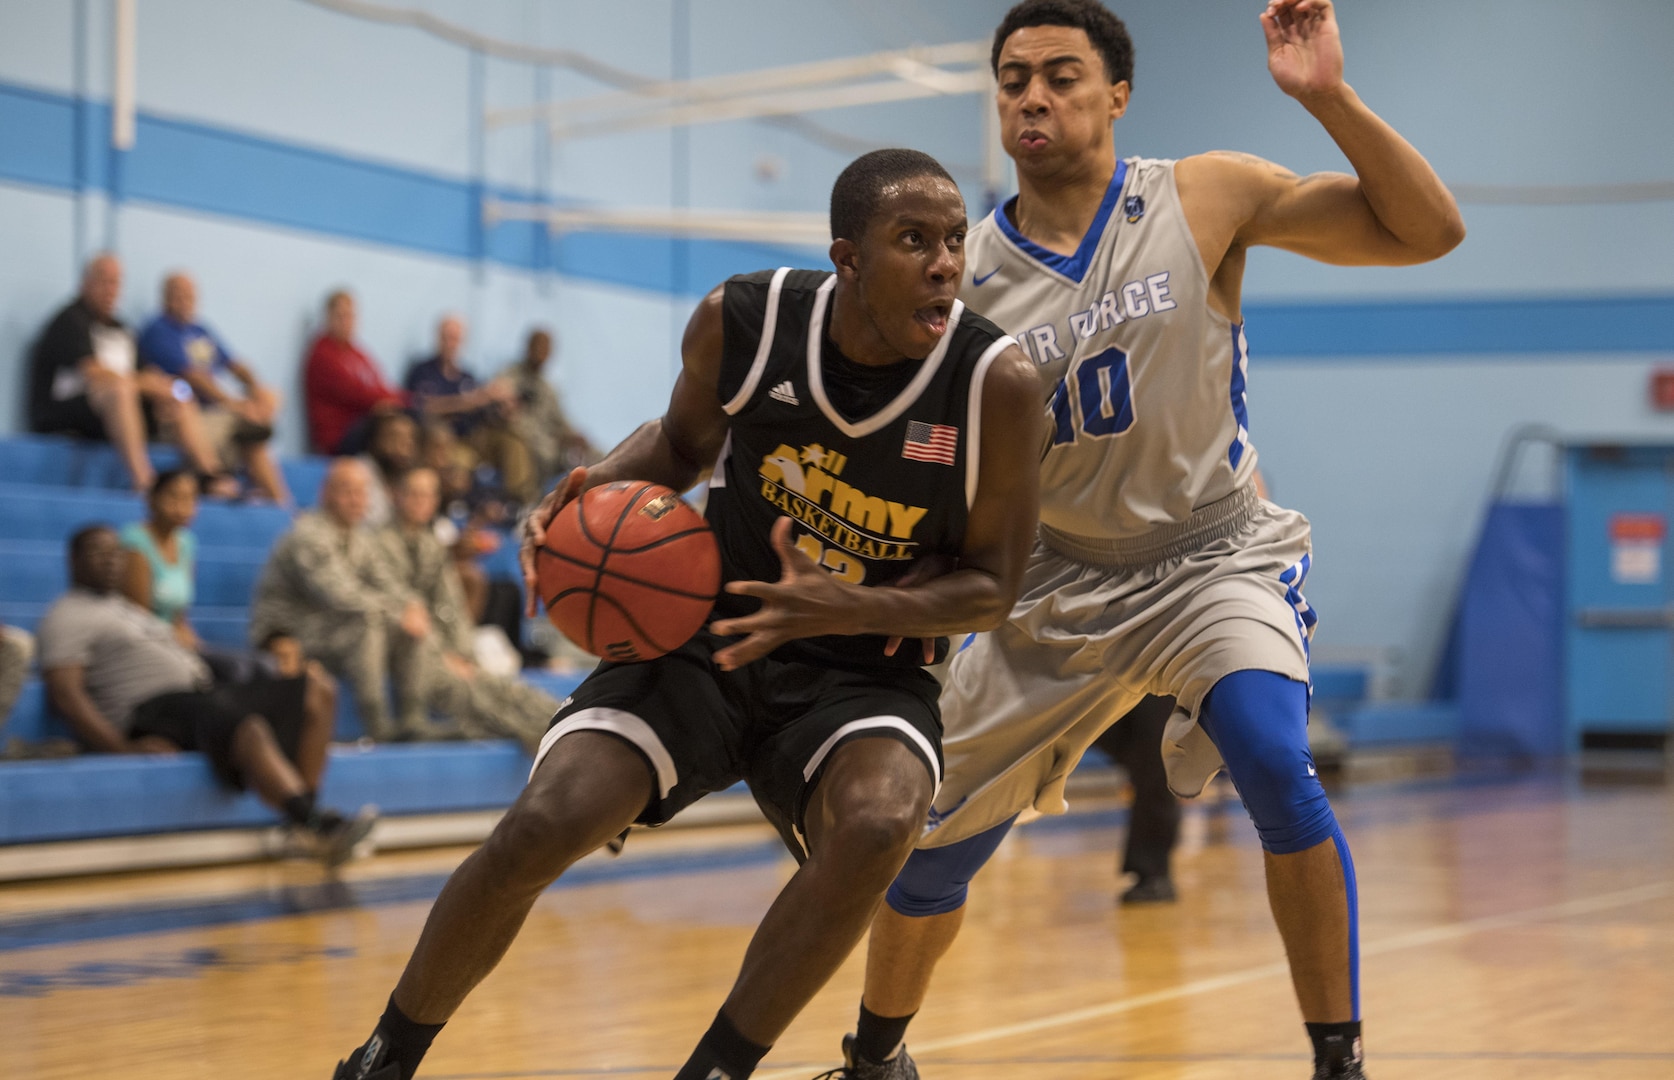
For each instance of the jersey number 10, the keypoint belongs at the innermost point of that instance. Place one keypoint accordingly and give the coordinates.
(1103, 401)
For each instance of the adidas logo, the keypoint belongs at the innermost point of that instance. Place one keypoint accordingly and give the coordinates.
(784, 392)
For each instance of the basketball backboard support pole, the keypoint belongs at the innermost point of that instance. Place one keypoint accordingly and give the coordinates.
(783, 96)
(950, 70)
(874, 78)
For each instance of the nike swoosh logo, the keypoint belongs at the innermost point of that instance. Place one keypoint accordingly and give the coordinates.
(980, 278)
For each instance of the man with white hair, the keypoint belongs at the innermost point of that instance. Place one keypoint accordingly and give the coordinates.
(327, 585)
(238, 426)
(84, 381)
(81, 372)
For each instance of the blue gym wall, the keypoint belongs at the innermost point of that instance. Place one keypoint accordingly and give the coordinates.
(285, 149)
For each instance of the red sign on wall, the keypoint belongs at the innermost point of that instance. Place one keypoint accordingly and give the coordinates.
(1636, 548)
(1662, 389)
(1627, 528)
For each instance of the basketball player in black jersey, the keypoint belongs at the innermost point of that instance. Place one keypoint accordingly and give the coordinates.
(858, 424)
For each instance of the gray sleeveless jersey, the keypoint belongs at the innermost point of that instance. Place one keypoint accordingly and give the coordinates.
(1148, 417)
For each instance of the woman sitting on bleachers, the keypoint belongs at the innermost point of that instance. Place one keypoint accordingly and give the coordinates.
(162, 553)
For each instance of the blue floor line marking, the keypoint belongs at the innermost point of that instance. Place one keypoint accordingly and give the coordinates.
(97, 924)
(1381, 804)
(1368, 805)
(190, 963)
(1532, 1056)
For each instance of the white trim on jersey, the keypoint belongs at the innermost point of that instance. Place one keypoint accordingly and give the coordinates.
(718, 474)
(872, 723)
(973, 417)
(891, 412)
(624, 725)
(769, 326)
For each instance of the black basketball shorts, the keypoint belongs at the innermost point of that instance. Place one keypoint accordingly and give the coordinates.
(205, 721)
(773, 723)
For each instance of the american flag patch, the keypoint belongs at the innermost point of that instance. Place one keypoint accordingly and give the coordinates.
(930, 442)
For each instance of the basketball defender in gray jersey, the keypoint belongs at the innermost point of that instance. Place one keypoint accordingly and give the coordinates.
(1158, 570)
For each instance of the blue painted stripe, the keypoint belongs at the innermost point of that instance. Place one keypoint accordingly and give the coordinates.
(39, 146)
(1529, 326)
(224, 172)
(198, 167)
(97, 924)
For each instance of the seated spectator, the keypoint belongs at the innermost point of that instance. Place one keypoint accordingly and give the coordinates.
(17, 647)
(81, 373)
(392, 447)
(481, 702)
(459, 525)
(481, 415)
(161, 554)
(115, 672)
(343, 388)
(83, 381)
(554, 446)
(326, 585)
(238, 427)
(439, 451)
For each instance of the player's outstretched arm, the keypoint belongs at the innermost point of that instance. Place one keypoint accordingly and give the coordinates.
(1394, 211)
(999, 533)
(673, 451)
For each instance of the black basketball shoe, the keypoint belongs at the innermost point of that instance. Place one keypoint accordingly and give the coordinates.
(855, 1067)
(1339, 1070)
(369, 1062)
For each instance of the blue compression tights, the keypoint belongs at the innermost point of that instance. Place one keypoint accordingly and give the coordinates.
(1258, 720)
(935, 881)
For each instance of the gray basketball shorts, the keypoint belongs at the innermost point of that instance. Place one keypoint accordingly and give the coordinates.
(1086, 642)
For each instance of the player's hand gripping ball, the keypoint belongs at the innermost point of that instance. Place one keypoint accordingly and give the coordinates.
(628, 571)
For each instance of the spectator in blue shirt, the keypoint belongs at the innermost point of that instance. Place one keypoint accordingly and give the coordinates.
(239, 425)
(161, 554)
(480, 413)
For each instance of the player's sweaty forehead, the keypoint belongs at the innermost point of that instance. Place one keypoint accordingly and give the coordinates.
(1044, 48)
(928, 203)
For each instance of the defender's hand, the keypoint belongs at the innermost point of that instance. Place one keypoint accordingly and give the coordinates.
(534, 531)
(805, 602)
(928, 568)
(1304, 51)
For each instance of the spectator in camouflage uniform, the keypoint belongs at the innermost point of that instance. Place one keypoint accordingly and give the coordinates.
(327, 585)
(16, 649)
(483, 704)
(554, 446)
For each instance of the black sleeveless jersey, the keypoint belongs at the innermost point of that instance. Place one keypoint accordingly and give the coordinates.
(867, 496)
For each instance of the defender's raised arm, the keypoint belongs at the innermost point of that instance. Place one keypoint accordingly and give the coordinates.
(1394, 211)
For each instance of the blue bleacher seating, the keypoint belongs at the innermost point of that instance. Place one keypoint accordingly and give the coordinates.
(120, 795)
(36, 570)
(62, 462)
(41, 512)
(71, 463)
(49, 488)
(304, 476)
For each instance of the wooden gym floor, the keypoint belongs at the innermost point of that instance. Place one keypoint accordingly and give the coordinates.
(1511, 927)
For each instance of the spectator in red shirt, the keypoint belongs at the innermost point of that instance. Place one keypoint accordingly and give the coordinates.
(342, 385)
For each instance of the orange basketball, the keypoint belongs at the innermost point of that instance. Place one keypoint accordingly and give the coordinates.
(629, 571)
